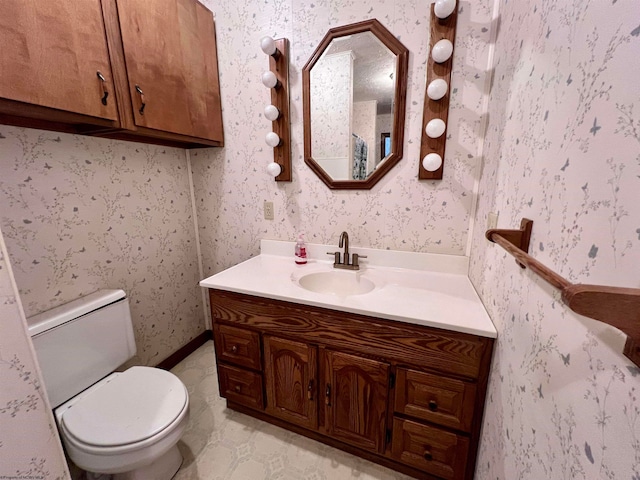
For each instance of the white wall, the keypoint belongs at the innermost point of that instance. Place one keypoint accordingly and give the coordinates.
(364, 125)
(331, 101)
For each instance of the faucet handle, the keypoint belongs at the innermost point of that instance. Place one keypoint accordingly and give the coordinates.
(336, 257)
(356, 258)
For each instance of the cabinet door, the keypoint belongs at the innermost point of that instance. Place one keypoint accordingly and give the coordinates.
(172, 66)
(356, 391)
(51, 54)
(291, 379)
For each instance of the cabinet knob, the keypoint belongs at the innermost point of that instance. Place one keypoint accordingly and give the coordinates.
(237, 388)
(427, 455)
(234, 349)
(433, 406)
(142, 104)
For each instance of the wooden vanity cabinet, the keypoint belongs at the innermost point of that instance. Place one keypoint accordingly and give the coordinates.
(405, 396)
(143, 70)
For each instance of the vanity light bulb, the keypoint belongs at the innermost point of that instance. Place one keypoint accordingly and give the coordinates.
(444, 8)
(271, 112)
(269, 79)
(272, 139)
(268, 45)
(442, 50)
(432, 162)
(437, 89)
(435, 128)
(274, 169)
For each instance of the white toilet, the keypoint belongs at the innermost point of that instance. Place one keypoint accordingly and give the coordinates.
(128, 423)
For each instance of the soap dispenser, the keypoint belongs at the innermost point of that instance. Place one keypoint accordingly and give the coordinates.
(301, 250)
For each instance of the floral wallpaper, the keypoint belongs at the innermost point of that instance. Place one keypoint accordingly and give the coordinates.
(563, 149)
(36, 452)
(81, 213)
(400, 212)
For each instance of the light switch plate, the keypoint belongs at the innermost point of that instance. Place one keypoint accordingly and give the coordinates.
(268, 211)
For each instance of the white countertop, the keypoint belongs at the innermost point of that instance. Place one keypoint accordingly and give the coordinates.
(435, 291)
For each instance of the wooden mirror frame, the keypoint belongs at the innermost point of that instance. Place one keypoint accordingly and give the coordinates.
(397, 136)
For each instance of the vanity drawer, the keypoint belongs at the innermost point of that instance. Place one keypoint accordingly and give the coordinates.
(430, 449)
(237, 346)
(445, 401)
(241, 386)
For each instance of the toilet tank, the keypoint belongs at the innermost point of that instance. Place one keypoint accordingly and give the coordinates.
(81, 342)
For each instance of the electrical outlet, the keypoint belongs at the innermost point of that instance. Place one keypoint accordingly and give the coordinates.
(268, 210)
(492, 221)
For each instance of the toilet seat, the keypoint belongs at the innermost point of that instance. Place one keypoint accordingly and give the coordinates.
(124, 411)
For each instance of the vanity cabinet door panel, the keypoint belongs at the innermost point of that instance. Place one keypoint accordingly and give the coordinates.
(170, 53)
(51, 55)
(356, 392)
(291, 379)
(445, 401)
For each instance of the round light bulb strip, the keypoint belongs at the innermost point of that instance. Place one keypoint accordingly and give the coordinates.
(444, 17)
(277, 80)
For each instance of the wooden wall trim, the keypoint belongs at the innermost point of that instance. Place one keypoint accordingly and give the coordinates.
(186, 350)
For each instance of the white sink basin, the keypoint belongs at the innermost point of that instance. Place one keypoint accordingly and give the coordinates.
(337, 282)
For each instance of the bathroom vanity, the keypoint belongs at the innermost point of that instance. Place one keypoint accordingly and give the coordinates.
(391, 366)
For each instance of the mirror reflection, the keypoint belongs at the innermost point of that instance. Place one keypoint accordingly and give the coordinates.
(352, 90)
(354, 97)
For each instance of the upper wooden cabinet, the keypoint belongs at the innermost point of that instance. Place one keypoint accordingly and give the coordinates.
(143, 70)
(170, 52)
(52, 55)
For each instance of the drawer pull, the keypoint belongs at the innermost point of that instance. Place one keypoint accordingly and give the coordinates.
(234, 349)
(142, 102)
(104, 87)
(433, 406)
(237, 388)
(427, 455)
(310, 390)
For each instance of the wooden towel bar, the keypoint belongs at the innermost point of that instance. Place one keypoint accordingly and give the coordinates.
(616, 306)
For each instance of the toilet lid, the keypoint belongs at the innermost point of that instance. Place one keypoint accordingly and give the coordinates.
(129, 408)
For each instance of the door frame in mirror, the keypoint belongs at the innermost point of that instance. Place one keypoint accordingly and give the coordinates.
(400, 98)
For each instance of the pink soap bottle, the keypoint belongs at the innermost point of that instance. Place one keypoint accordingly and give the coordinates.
(301, 250)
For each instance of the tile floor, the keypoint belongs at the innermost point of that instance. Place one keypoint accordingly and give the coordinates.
(222, 444)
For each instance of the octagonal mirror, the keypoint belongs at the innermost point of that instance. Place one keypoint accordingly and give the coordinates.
(354, 95)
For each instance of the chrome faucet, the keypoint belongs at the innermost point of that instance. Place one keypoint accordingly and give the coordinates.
(344, 241)
(349, 262)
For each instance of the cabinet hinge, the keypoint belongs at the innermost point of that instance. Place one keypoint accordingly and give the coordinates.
(392, 380)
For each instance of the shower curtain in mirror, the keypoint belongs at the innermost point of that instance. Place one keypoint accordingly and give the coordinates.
(359, 158)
